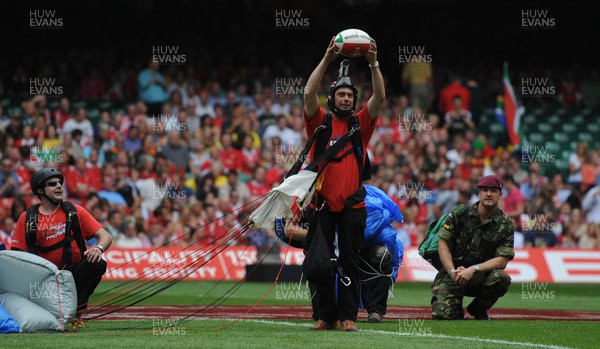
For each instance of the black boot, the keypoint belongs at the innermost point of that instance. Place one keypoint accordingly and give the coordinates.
(477, 310)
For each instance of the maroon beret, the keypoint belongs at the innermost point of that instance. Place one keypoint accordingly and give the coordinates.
(491, 181)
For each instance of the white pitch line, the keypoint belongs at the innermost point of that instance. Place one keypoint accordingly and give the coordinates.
(473, 339)
(445, 336)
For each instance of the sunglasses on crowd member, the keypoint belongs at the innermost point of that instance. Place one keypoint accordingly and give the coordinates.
(53, 183)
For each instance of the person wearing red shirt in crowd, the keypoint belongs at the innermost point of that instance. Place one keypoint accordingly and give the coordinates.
(339, 187)
(27, 139)
(250, 154)
(458, 121)
(258, 186)
(93, 169)
(513, 202)
(92, 87)
(47, 240)
(231, 158)
(24, 173)
(62, 113)
(211, 228)
(166, 165)
(569, 91)
(79, 183)
(453, 89)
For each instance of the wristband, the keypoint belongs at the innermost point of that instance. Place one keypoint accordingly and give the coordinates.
(100, 248)
(374, 65)
(452, 271)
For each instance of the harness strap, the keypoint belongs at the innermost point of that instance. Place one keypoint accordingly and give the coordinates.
(300, 160)
(31, 226)
(72, 232)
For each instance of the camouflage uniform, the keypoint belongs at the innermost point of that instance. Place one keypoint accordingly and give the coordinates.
(472, 242)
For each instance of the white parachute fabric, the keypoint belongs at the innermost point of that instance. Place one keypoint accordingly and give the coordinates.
(30, 316)
(279, 200)
(38, 281)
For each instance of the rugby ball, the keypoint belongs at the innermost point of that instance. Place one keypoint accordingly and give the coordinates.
(353, 42)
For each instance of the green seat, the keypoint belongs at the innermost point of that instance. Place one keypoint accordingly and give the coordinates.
(14, 110)
(570, 128)
(561, 164)
(577, 119)
(529, 119)
(94, 116)
(554, 147)
(538, 111)
(79, 104)
(573, 145)
(561, 111)
(105, 105)
(561, 137)
(593, 128)
(535, 138)
(585, 136)
(553, 119)
(544, 127)
(496, 128)
(52, 105)
(118, 111)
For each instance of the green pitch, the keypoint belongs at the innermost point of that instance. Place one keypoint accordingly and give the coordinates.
(585, 297)
(283, 334)
(296, 334)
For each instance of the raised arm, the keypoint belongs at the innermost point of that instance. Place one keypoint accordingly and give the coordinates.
(311, 99)
(376, 100)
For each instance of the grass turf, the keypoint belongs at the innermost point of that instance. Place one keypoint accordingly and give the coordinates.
(584, 297)
(414, 334)
(295, 334)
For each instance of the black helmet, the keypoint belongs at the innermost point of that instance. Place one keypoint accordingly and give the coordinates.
(40, 176)
(380, 258)
(343, 80)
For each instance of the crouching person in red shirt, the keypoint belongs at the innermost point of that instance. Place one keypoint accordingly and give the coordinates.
(57, 230)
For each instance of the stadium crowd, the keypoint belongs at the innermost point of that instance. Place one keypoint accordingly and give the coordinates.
(168, 154)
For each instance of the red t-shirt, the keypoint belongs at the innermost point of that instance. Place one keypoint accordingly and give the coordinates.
(448, 93)
(212, 230)
(93, 172)
(60, 118)
(250, 157)
(51, 229)
(339, 180)
(74, 178)
(274, 174)
(258, 189)
(232, 159)
(23, 174)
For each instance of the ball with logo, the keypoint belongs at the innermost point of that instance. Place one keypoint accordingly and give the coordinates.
(353, 42)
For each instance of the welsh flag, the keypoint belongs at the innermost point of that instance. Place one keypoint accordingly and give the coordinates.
(512, 112)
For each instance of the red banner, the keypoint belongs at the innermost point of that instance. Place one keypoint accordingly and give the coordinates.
(529, 265)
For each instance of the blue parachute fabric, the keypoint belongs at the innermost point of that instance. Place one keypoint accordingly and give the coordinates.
(381, 212)
(7, 323)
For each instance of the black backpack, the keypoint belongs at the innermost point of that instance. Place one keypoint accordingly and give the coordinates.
(72, 226)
